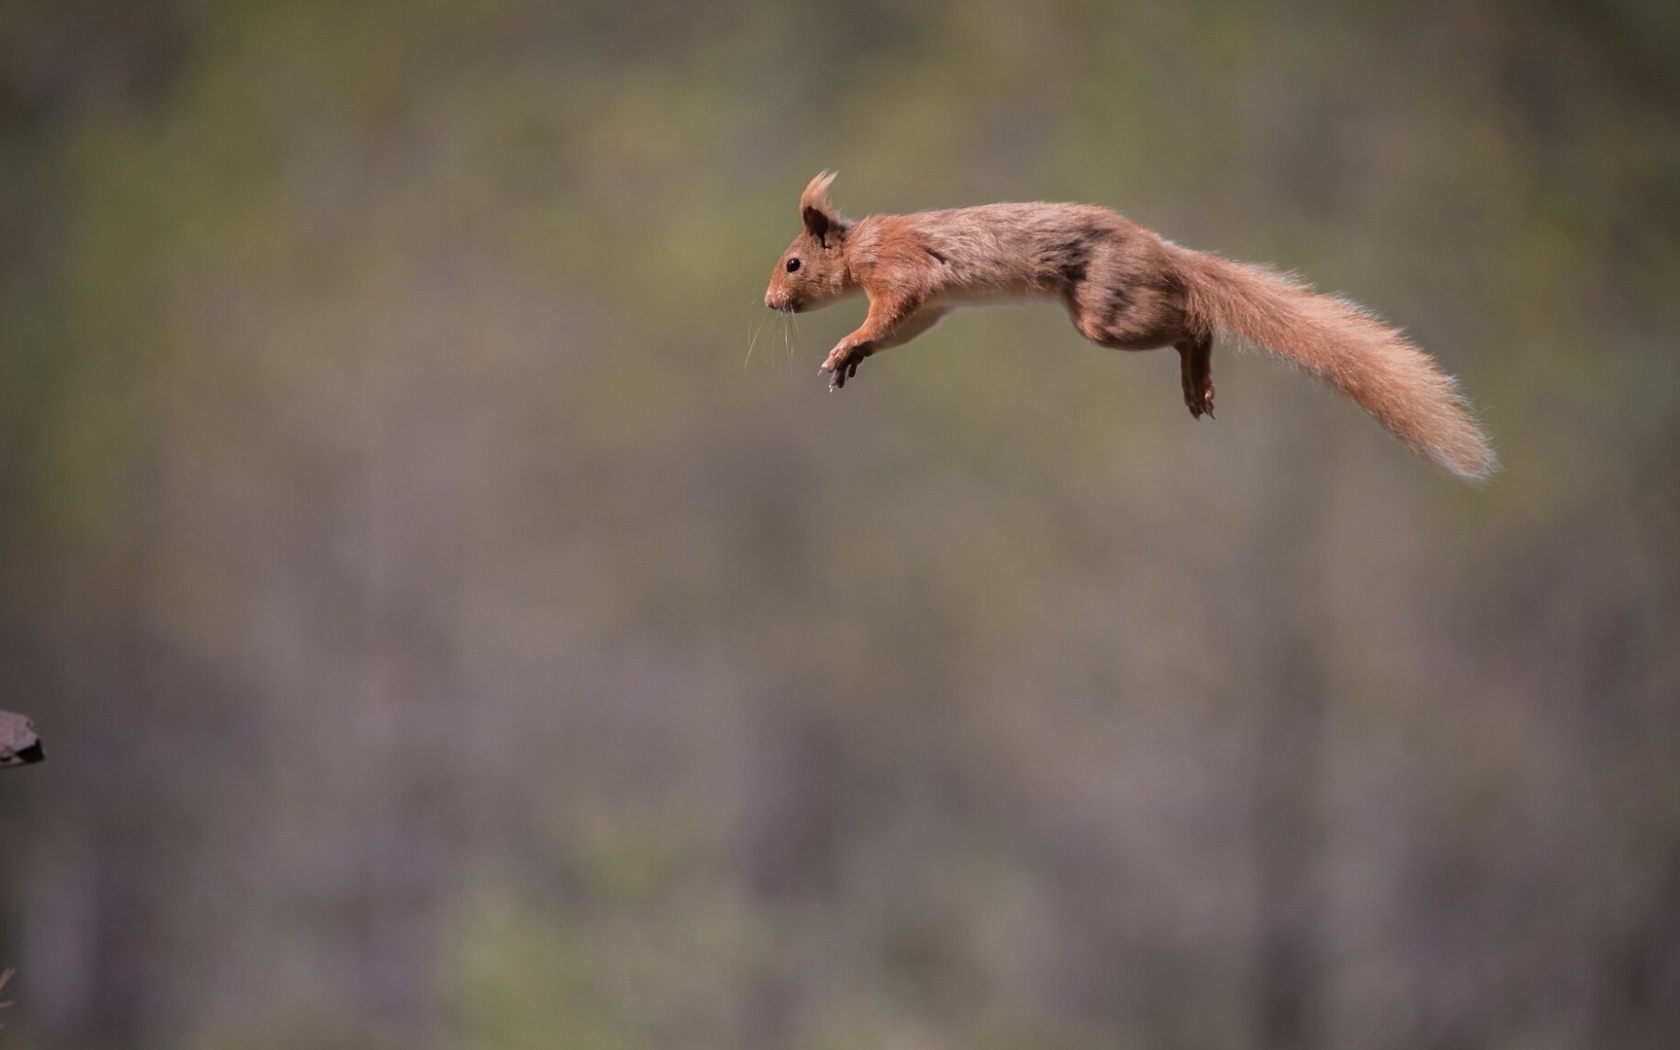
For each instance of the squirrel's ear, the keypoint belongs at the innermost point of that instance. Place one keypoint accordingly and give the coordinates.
(816, 222)
(816, 213)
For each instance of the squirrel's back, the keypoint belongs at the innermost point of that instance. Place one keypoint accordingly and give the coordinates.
(1010, 249)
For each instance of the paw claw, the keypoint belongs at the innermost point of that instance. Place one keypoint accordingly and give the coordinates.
(842, 365)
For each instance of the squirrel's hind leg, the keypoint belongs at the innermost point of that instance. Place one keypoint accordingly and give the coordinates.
(1195, 354)
(1134, 316)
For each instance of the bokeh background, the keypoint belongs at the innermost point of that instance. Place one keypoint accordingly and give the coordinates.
(446, 634)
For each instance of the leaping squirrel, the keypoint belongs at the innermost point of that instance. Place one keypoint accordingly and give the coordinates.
(1125, 287)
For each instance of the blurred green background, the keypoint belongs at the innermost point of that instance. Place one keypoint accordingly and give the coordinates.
(445, 634)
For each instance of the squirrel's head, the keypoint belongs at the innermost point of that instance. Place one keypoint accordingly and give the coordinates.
(813, 269)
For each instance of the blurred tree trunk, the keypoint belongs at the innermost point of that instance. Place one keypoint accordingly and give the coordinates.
(1288, 779)
(1289, 742)
(1638, 1002)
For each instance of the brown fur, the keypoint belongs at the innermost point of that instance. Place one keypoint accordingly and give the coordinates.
(1125, 287)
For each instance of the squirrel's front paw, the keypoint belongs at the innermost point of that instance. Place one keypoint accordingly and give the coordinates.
(842, 364)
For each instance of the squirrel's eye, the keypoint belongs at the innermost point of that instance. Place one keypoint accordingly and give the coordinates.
(793, 266)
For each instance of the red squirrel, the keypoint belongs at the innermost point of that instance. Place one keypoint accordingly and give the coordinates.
(1127, 288)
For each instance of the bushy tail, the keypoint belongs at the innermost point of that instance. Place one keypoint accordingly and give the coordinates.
(1346, 346)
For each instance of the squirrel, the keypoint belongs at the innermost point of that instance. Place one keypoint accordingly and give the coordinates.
(1125, 287)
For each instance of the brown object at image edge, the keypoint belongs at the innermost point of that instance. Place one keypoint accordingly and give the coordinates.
(20, 745)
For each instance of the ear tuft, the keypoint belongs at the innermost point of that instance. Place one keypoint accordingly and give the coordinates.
(816, 191)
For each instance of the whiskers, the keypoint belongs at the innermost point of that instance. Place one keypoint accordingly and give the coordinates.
(785, 320)
(752, 337)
